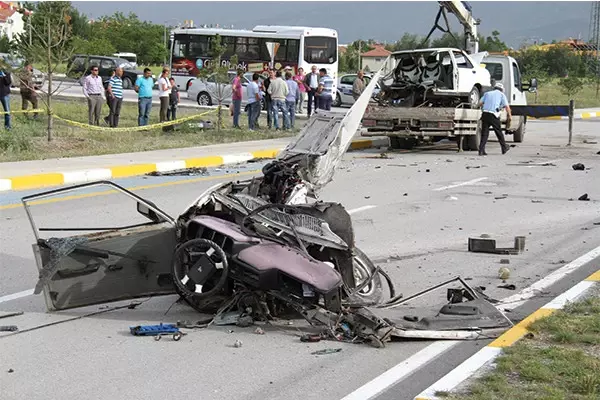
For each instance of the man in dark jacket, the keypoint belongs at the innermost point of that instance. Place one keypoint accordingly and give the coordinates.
(312, 84)
(267, 98)
(5, 81)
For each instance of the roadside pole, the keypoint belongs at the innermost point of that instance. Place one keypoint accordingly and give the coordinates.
(571, 110)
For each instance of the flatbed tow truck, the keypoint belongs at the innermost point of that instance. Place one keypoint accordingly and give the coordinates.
(445, 87)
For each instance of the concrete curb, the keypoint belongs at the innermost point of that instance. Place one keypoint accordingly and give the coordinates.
(122, 171)
(583, 115)
(489, 353)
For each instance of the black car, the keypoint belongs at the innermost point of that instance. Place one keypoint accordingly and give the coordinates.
(80, 66)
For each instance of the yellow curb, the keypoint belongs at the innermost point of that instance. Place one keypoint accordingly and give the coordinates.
(35, 181)
(361, 144)
(595, 277)
(210, 161)
(130, 170)
(271, 153)
(515, 333)
(55, 179)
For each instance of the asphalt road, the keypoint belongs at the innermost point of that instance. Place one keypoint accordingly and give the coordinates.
(412, 212)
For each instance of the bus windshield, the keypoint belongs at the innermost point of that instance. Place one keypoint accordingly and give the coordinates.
(320, 50)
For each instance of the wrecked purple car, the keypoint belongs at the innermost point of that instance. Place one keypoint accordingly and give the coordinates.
(260, 248)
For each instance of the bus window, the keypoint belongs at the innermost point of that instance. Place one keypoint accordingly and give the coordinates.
(229, 43)
(320, 50)
(293, 47)
(247, 48)
(192, 46)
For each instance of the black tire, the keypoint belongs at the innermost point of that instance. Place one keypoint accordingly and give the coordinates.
(204, 99)
(474, 96)
(127, 83)
(338, 100)
(519, 134)
(471, 142)
(363, 268)
(403, 143)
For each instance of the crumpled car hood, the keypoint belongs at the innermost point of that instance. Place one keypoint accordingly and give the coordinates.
(324, 140)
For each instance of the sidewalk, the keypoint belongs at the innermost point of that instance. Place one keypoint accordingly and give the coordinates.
(40, 173)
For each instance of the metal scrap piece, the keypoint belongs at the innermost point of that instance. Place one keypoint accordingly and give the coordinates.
(478, 245)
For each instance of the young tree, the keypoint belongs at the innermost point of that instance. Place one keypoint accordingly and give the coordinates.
(217, 75)
(50, 44)
(570, 86)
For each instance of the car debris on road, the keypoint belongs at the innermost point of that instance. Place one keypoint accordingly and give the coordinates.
(260, 249)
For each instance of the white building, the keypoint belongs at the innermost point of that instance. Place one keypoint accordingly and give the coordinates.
(11, 20)
(372, 60)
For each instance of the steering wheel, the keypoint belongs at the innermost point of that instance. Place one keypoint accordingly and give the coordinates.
(196, 262)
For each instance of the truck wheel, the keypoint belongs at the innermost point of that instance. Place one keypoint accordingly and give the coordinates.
(474, 96)
(519, 134)
(402, 143)
(127, 83)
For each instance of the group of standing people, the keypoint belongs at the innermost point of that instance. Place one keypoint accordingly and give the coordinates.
(96, 94)
(282, 95)
(26, 88)
(168, 94)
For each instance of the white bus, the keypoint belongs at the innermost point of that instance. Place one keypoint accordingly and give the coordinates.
(298, 47)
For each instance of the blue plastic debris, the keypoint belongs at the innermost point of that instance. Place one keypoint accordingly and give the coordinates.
(153, 330)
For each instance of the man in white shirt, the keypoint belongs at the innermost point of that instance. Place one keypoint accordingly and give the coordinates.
(164, 90)
(312, 83)
(93, 90)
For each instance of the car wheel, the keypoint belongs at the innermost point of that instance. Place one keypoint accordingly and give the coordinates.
(519, 134)
(204, 99)
(338, 100)
(474, 96)
(126, 83)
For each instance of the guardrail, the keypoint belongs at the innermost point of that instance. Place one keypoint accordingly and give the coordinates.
(547, 111)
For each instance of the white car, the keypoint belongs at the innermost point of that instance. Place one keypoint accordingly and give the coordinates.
(344, 89)
(439, 76)
(206, 91)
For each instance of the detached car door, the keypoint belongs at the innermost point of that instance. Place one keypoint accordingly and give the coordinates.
(110, 263)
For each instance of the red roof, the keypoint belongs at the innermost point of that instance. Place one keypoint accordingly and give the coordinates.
(378, 51)
(6, 11)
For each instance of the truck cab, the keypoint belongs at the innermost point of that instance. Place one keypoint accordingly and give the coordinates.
(505, 69)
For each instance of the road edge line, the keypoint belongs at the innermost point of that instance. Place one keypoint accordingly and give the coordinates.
(489, 353)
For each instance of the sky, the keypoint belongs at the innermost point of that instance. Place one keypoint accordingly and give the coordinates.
(517, 21)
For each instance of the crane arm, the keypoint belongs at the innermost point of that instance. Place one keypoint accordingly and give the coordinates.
(462, 11)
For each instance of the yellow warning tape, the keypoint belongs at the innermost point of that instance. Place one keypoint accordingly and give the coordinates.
(23, 111)
(133, 128)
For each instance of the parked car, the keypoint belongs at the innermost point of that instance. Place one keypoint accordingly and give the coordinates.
(344, 89)
(80, 65)
(16, 64)
(206, 92)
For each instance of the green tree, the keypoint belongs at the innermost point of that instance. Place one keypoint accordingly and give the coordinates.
(408, 41)
(217, 72)
(570, 86)
(98, 46)
(492, 43)
(49, 45)
(127, 33)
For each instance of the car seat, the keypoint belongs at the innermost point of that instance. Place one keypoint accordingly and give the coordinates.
(433, 71)
(409, 70)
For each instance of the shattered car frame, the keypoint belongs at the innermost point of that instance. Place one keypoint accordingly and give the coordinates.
(261, 247)
(437, 77)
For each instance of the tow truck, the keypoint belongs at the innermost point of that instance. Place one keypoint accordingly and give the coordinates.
(433, 94)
